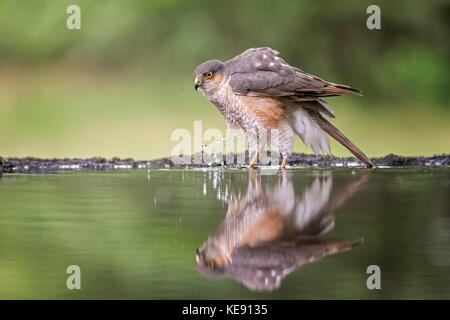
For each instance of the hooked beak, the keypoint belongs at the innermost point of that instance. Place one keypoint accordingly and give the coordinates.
(197, 252)
(196, 83)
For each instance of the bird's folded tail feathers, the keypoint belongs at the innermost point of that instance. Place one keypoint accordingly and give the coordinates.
(341, 89)
(341, 138)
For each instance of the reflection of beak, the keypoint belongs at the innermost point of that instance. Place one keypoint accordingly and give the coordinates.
(196, 83)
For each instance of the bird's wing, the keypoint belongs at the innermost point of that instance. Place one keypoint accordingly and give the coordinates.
(261, 72)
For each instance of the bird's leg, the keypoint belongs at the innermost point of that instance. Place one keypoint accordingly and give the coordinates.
(283, 163)
(255, 157)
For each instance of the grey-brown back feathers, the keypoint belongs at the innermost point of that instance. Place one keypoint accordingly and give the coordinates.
(260, 71)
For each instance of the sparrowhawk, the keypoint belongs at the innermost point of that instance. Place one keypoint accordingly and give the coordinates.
(269, 232)
(257, 91)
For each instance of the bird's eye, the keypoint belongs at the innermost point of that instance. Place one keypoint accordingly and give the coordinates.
(209, 75)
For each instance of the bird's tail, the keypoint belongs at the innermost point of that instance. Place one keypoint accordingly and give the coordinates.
(339, 136)
(341, 89)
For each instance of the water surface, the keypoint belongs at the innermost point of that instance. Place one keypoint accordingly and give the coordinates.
(226, 234)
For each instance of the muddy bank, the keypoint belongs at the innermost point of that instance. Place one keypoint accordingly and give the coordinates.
(36, 165)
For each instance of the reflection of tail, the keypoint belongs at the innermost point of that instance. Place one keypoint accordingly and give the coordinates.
(344, 194)
(339, 136)
(339, 246)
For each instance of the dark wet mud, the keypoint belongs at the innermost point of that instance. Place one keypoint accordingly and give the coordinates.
(37, 165)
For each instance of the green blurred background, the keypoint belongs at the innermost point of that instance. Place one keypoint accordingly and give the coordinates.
(123, 83)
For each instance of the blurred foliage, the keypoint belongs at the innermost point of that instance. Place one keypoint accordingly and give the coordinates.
(123, 82)
(329, 38)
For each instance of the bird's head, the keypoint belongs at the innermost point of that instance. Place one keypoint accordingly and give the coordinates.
(210, 256)
(208, 76)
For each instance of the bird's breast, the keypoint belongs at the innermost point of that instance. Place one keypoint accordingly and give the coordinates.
(247, 112)
(232, 107)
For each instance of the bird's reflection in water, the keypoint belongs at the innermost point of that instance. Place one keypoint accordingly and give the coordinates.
(267, 234)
